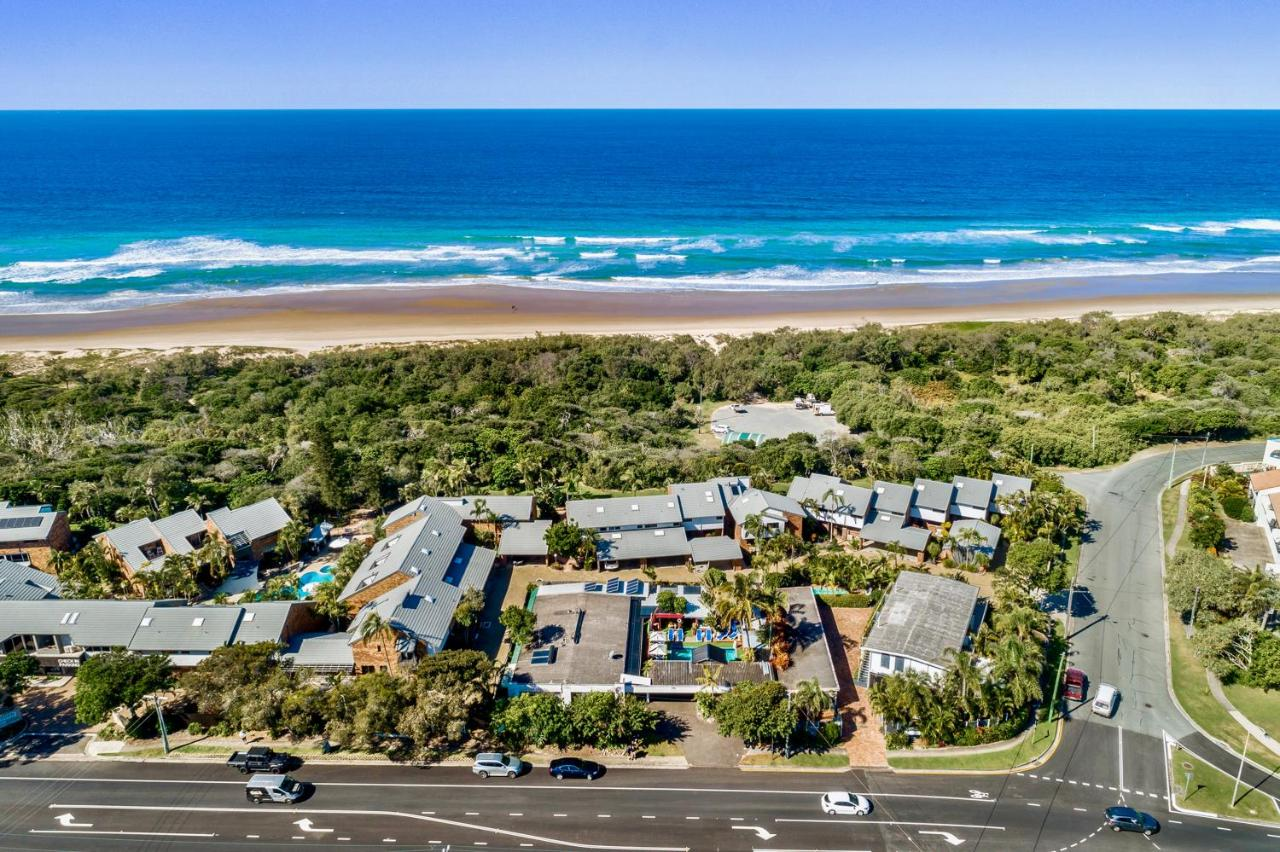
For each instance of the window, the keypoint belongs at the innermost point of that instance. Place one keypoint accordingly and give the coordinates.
(146, 622)
(899, 664)
(248, 616)
(885, 661)
(197, 622)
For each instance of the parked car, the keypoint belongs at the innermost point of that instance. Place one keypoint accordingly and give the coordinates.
(495, 763)
(1104, 703)
(738, 408)
(259, 759)
(283, 789)
(1127, 819)
(846, 804)
(1075, 685)
(720, 429)
(573, 767)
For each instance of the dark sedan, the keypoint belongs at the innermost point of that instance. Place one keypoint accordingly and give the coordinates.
(572, 767)
(1127, 819)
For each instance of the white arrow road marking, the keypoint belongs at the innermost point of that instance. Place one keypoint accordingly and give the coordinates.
(947, 836)
(69, 821)
(760, 832)
(552, 841)
(306, 825)
(979, 794)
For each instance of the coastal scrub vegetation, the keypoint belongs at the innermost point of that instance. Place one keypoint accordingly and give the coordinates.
(114, 438)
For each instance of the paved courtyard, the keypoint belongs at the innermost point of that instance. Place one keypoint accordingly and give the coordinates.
(777, 420)
(1246, 544)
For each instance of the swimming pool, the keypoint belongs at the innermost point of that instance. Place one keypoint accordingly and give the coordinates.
(685, 652)
(312, 580)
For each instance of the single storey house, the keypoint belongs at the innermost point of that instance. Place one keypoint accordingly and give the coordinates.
(923, 620)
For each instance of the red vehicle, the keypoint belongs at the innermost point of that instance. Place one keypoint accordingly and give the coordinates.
(1075, 685)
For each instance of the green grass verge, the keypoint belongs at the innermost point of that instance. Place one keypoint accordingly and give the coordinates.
(1025, 751)
(1211, 791)
(1261, 707)
(197, 750)
(806, 760)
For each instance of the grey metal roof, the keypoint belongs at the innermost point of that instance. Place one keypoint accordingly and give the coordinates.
(665, 543)
(526, 538)
(589, 632)
(173, 531)
(184, 628)
(990, 533)
(424, 548)
(89, 623)
(424, 608)
(934, 495)
(662, 510)
(892, 497)
(26, 523)
(423, 504)
(758, 502)
(731, 485)
(255, 521)
(1007, 484)
(885, 528)
(509, 508)
(688, 673)
(810, 654)
(699, 499)
(263, 622)
(319, 650)
(20, 582)
(832, 494)
(974, 493)
(713, 548)
(923, 617)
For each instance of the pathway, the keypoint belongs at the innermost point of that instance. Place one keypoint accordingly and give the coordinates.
(844, 628)
(1171, 546)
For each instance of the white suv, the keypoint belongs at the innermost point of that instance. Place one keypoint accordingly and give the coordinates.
(494, 763)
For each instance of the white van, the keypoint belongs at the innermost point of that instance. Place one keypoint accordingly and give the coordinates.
(1104, 703)
(273, 788)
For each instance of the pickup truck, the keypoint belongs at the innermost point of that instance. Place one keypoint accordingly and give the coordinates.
(259, 759)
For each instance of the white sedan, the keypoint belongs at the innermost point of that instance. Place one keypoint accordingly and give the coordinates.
(720, 428)
(848, 804)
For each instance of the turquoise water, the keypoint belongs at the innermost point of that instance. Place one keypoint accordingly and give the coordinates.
(311, 580)
(685, 652)
(102, 210)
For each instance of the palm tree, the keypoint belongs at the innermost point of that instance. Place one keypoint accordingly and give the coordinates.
(811, 700)
(966, 683)
(218, 554)
(375, 626)
(1021, 621)
(291, 539)
(469, 608)
(1017, 665)
(60, 561)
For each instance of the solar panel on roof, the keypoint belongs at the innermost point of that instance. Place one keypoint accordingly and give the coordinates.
(595, 587)
(19, 523)
(613, 587)
(543, 657)
(633, 587)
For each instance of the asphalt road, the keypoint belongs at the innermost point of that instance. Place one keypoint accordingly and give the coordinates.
(92, 805)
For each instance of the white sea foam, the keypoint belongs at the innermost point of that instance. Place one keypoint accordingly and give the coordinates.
(703, 244)
(154, 257)
(625, 241)
(659, 258)
(546, 241)
(1171, 229)
(994, 261)
(1256, 224)
(598, 255)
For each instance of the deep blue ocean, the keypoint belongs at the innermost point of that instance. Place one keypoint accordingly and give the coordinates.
(103, 210)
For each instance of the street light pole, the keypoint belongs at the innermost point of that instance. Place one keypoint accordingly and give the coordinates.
(1172, 459)
(164, 735)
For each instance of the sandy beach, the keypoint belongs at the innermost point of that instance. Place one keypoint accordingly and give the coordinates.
(331, 318)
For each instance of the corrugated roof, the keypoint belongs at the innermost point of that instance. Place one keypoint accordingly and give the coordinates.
(687, 673)
(757, 502)
(698, 499)
(713, 548)
(923, 618)
(20, 582)
(893, 497)
(128, 540)
(184, 628)
(424, 548)
(832, 494)
(932, 494)
(316, 650)
(91, 624)
(26, 523)
(509, 508)
(255, 521)
(886, 528)
(263, 622)
(666, 543)
(661, 510)
(1007, 484)
(524, 539)
(990, 533)
(974, 493)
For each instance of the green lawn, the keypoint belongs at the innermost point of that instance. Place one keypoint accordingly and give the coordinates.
(1211, 791)
(1261, 707)
(1025, 751)
(806, 760)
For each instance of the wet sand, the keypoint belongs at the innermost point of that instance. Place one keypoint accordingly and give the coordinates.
(308, 321)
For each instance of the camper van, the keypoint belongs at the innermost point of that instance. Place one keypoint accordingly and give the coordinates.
(274, 788)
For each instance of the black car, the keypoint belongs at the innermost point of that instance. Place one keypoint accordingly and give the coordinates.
(260, 759)
(1127, 819)
(572, 767)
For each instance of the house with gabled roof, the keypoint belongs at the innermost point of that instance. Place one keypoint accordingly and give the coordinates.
(931, 501)
(842, 506)
(32, 533)
(144, 544)
(972, 498)
(502, 510)
(615, 514)
(777, 514)
(1007, 486)
(924, 619)
(253, 530)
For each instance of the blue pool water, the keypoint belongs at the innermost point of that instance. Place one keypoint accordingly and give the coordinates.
(310, 581)
(686, 653)
(107, 210)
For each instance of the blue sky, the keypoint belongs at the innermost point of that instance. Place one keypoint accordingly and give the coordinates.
(633, 53)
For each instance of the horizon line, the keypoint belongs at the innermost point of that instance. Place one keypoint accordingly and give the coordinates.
(637, 109)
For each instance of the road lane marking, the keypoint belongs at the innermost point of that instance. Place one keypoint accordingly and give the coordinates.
(693, 817)
(119, 833)
(895, 822)
(1120, 753)
(1222, 828)
(559, 815)
(1033, 804)
(1081, 810)
(594, 788)
(515, 813)
(362, 812)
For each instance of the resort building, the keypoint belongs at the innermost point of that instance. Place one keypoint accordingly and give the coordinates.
(143, 545)
(931, 502)
(20, 581)
(715, 551)
(62, 634)
(32, 533)
(410, 583)
(501, 510)
(704, 506)
(842, 506)
(1007, 487)
(610, 637)
(972, 498)
(777, 514)
(525, 543)
(619, 514)
(642, 548)
(1264, 488)
(973, 541)
(923, 620)
(252, 531)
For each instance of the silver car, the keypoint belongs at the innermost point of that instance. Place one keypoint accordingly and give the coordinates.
(495, 763)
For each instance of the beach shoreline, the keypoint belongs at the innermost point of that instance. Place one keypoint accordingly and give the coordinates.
(325, 318)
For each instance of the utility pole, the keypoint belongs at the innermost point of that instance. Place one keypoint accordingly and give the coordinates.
(1195, 601)
(1095, 438)
(1204, 461)
(1240, 771)
(164, 735)
(1172, 459)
